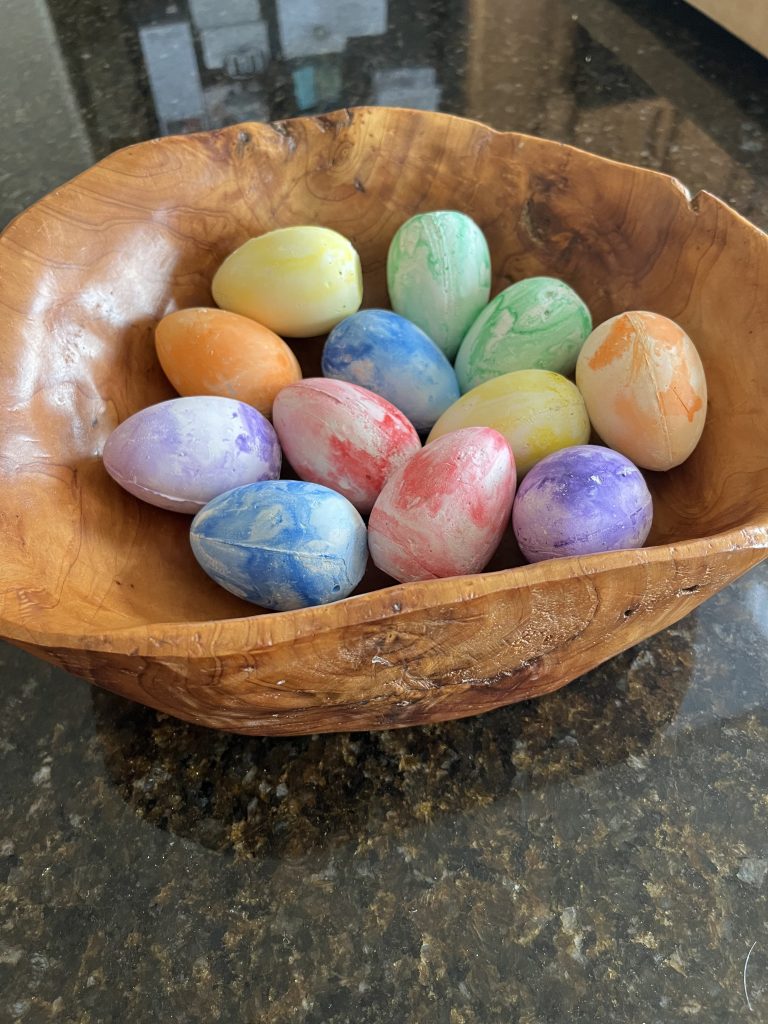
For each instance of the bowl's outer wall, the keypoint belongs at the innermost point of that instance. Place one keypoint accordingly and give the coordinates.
(432, 664)
(106, 586)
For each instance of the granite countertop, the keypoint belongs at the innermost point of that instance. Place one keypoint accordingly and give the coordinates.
(598, 855)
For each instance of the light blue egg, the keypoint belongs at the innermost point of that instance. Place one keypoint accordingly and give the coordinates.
(282, 544)
(388, 354)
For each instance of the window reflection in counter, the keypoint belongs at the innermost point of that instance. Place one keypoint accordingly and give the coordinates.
(40, 115)
(233, 37)
(100, 44)
(271, 59)
(588, 72)
(169, 56)
(340, 52)
(148, 67)
(407, 87)
(610, 75)
(308, 28)
(206, 62)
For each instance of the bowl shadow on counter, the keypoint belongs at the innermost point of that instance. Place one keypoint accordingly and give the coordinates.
(290, 797)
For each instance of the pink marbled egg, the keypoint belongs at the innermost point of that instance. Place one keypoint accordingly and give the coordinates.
(343, 436)
(443, 513)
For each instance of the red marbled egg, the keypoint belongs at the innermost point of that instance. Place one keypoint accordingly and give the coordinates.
(443, 513)
(343, 436)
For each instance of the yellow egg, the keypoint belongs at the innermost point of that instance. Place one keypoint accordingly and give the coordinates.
(298, 281)
(644, 386)
(538, 412)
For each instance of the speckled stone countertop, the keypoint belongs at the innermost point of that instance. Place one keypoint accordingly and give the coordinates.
(599, 855)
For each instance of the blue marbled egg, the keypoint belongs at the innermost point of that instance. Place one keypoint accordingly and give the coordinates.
(389, 355)
(282, 544)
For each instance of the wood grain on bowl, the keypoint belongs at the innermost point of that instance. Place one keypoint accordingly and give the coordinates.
(107, 587)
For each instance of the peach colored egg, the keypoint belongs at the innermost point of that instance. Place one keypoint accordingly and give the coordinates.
(214, 352)
(644, 387)
(443, 513)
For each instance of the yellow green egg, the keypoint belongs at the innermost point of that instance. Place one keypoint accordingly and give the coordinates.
(538, 411)
(298, 281)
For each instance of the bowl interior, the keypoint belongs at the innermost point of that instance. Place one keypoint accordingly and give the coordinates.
(87, 272)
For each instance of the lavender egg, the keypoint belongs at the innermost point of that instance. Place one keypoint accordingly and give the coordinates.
(182, 453)
(579, 501)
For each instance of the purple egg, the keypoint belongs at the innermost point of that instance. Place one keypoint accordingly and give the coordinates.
(579, 501)
(182, 453)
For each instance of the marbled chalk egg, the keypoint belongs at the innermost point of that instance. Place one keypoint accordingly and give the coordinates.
(645, 389)
(394, 358)
(215, 352)
(579, 501)
(439, 275)
(181, 453)
(282, 544)
(444, 512)
(344, 436)
(537, 411)
(298, 281)
(539, 323)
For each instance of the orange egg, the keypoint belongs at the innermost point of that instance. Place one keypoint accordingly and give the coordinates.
(644, 387)
(214, 352)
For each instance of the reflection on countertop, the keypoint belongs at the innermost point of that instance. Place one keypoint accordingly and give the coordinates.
(651, 84)
(599, 854)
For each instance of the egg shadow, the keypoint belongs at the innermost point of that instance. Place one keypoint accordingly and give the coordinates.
(291, 797)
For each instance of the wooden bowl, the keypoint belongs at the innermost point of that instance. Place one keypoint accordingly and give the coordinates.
(106, 586)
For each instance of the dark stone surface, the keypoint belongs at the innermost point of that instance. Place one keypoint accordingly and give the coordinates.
(599, 855)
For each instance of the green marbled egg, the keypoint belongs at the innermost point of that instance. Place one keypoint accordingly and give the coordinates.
(439, 275)
(539, 323)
